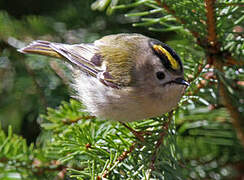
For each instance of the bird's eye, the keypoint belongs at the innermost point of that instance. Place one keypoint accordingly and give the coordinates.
(160, 75)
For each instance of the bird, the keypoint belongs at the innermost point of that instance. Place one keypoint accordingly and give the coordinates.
(121, 77)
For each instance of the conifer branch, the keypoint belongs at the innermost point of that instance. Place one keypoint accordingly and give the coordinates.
(138, 135)
(122, 157)
(213, 44)
(165, 128)
(181, 21)
(71, 121)
(76, 148)
(215, 57)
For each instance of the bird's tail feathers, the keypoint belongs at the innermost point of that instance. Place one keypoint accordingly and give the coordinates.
(42, 48)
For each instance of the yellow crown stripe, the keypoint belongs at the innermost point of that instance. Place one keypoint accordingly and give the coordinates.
(173, 62)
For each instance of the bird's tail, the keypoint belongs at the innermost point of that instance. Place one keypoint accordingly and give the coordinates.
(41, 47)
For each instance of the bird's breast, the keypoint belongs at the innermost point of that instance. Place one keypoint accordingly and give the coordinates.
(125, 104)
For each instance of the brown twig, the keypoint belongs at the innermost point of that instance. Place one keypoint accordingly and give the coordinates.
(212, 35)
(213, 47)
(237, 119)
(216, 58)
(125, 154)
(138, 135)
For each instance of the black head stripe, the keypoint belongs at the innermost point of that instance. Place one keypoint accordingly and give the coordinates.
(167, 55)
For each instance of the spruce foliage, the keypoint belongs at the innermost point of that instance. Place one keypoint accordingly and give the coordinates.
(203, 138)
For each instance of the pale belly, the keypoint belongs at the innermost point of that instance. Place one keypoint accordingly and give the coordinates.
(126, 104)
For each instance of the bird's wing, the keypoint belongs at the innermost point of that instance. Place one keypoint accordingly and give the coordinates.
(78, 55)
(83, 56)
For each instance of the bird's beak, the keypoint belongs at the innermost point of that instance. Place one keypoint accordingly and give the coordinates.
(181, 81)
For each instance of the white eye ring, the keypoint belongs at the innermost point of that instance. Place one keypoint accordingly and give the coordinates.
(160, 75)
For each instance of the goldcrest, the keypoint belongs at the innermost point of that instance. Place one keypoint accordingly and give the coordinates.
(122, 77)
